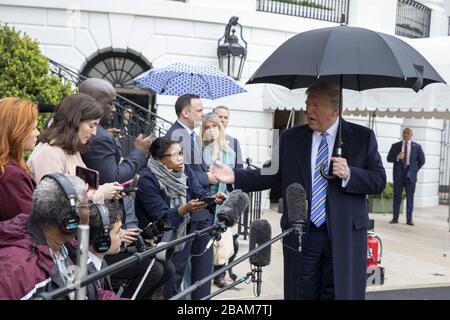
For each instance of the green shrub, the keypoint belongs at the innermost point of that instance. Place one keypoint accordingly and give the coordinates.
(388, 192)
(25, 73)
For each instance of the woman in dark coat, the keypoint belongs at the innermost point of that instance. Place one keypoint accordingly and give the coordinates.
(169, 190)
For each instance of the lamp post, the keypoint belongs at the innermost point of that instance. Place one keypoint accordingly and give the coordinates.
(232, 50)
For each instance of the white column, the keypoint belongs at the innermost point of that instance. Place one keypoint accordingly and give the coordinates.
(439, 18)
(377, 15)
(241, 5)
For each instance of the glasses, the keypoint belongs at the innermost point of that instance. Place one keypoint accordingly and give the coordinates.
(174, 155)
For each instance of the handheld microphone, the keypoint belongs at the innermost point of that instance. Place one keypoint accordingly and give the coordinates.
(230, 212)
(297, 208)
(260, 233)
(233, 207)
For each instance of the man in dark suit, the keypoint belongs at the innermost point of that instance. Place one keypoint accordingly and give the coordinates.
(189, 110)
(408, 158)
(224, 115)
(332, 264)
(104, 153)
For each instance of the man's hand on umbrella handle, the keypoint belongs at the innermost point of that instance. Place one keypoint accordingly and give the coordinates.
(222, 172)
(340, 167)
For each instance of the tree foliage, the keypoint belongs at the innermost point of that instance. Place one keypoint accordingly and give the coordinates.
(25, 71)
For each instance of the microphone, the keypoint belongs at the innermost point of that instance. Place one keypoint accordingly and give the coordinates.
(297, 208)
(233, 207)
(260, 233)
(230, 212)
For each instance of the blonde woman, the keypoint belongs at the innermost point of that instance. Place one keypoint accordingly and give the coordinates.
(216, 148)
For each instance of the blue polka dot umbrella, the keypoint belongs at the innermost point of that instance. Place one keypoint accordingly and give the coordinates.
(208, 82)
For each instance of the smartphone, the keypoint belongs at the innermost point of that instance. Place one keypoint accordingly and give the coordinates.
(129, 190)
(126, 184)
(91, 177)
(209, 200)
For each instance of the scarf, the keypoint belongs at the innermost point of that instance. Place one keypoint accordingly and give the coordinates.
(174, 185)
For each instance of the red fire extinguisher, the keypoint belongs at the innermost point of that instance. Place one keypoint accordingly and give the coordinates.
(374, 249)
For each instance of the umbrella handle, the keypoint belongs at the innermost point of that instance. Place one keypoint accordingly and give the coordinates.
(323, 173)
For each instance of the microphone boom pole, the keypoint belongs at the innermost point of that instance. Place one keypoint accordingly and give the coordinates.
(231, 285)
(136, 257)
(205, 280)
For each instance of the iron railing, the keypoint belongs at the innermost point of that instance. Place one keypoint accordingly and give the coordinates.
(142, 120)
(326, 10)
(413, 19)
(253, 211)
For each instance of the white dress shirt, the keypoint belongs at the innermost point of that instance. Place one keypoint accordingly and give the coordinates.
(331, 138)
(189, 130)
(95, 260)
(408, 158)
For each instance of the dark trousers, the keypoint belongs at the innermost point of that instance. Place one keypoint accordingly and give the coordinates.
(158, 275)
(316, 278)
(201, 263)
(410, 188)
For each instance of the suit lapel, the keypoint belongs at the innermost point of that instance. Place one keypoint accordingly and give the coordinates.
(346, 137)
(305, 157)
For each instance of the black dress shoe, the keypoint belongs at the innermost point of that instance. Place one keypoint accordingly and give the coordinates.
(220, 282)
(393, 221)
(410, 223)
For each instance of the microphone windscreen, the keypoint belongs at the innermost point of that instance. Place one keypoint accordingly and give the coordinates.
(296, 203)
(233, 207)
(260, 233)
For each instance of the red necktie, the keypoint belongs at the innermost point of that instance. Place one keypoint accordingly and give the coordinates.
(405, 157)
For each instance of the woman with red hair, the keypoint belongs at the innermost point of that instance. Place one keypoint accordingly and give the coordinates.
(18, 133)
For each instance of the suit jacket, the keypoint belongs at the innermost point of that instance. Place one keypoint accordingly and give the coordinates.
(104, 156)
(234, 144)
(416, 161)
(347, 212)
(151, 202)
(197, 165)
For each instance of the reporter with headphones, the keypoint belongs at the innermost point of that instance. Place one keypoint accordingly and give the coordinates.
(105, 238)
(33, 255)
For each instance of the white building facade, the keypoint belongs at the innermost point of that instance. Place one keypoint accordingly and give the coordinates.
(85, 34)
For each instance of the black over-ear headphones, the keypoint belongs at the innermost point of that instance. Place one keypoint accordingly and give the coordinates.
(102, 241)
(68, 217)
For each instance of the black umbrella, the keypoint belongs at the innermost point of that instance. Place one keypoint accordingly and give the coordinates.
(356, 58)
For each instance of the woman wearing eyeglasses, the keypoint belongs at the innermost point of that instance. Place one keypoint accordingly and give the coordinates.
(166, 188)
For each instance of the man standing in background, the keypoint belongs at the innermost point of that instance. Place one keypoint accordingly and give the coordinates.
(408, 158)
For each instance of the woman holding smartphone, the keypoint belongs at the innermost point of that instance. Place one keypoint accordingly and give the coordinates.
(169, 190)
(18, 133)
(74, 124)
